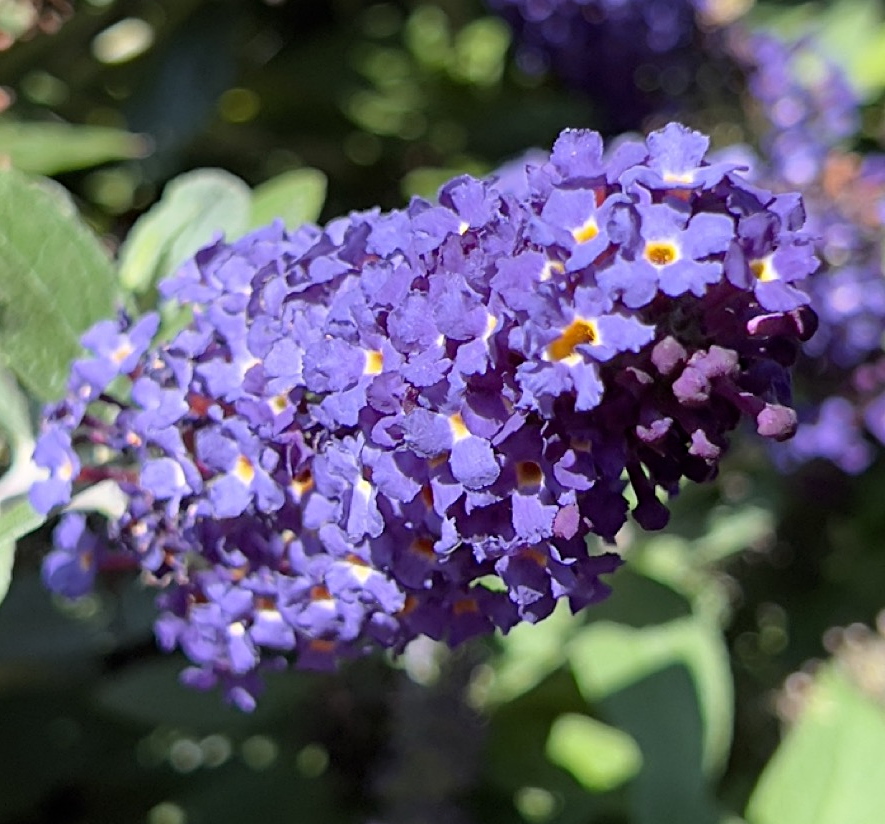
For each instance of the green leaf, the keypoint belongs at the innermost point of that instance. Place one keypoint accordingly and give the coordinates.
(853, 36)
(830, 768)
(607, 658)
(529, 653)
(55, 282)
(15, 423)
(733, 531)
(105, 497)
(16, 18)
(151, 693)
(7, 558)
(428, 36)
(600, 757)
(193, 209)
(297, 197)
(51, 148)
(481, 51)
(851, 33)
(662, 714)
(18, 519)
(14, 418)
(15, 522)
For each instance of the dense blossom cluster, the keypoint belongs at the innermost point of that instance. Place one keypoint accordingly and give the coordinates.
(805, 112)
(406, 423)
(809, 113)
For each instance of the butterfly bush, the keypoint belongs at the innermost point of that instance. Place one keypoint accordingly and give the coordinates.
(808, 115)
(407, 423)
(806, 112)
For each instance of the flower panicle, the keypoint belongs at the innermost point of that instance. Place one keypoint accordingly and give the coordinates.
(407, 423)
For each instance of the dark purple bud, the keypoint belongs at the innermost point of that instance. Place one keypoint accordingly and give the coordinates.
(798, 323)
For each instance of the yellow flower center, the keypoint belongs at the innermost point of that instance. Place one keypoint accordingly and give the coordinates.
(763, 270)
(552, 267)
(278, 403)
(660, 252)
(302, 483)
(579, 331)
(459, 428)
(123, 351)
(244, 470)
(374, 362)
(587, 231)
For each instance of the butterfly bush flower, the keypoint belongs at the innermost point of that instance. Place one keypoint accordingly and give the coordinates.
(408, 423)
(808, 115)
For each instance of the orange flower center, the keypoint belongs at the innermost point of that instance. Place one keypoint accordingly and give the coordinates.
(528, 473)
(578, 332)
(660, 253)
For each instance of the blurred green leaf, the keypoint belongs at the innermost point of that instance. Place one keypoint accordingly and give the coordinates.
(297, 197)
(600, 757)
(17, 16)
(481, 51)
(732, 531)
(51, 633)
(529, 653)
(14, 418)
(150, 692)
(55, 282)
(16, 521)
(830, 769)
(194, 208)
(638, 600)
(52, 148)
(516, 760)
(7, 558)
(685, 565)
(849, 32)
(428, 36)
(853, 35)
(15, 422)
(662, 714)
(607, 657)
(105, 497)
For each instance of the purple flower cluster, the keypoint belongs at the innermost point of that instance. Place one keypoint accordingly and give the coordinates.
(805, 101)
(633, 57)
(809, 112)
(405, 423)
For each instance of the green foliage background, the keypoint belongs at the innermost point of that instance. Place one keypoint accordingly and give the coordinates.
(657, 706)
